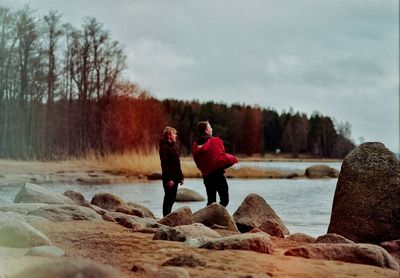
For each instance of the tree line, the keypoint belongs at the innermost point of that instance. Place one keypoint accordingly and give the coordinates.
(63, 94)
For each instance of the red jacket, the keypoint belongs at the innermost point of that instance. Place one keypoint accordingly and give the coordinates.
(211, 156)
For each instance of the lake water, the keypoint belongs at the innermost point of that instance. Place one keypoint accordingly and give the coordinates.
(295, 166)
(304, 205)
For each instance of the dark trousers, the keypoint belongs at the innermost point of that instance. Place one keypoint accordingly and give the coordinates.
(169, 197)
(216, 182)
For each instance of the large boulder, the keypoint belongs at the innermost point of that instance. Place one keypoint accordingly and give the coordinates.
(272, 227)
(360, 253)
(15, 232)
(188, 195)
(321, 171)
(179, 217)
(70, 268)
(65, 213)
(33, 193)
(215, 214)
(253, 212)
(185, 232)
(366, 206)
(258, 242)
(107, 201)
(77, 197)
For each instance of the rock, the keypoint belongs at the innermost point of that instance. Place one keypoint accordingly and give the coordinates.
(77, 197)
(182, 233)
(360, 253)
(20, 208)
(214, 214)
(366, 206)
(147, 213)
(185, 260)
(321, 171)
(66, 213)
(253, 212)
(70, 268)
(138, 224)
(300, 237)
(33, 193)
(98, 210)
(107, 201)
(129, 210)
(271, 227)
(45, 251)
(15, 232)
(154, 176)
(391, 246)
(258, 242)
(332, 238)
(188, 195)
(179, 217)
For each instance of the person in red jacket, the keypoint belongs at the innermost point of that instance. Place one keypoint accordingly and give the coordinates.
(171, 168)
(210, 157)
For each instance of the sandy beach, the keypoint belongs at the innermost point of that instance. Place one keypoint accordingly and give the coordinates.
(112, 244)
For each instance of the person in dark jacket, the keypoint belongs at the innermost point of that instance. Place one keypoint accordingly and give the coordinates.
(210, 157)
(171, 168)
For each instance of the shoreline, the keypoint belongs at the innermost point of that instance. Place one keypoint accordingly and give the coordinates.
(92, 172)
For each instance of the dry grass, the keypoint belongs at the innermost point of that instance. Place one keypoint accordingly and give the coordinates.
(132, 163)
(145, 163)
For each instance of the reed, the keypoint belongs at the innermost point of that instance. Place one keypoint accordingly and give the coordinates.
(142, 163)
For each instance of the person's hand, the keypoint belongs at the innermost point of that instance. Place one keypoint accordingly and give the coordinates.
(170, 184)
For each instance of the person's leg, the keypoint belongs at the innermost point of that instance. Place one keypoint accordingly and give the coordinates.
(210, 189)
(169, 198)
(222, 189)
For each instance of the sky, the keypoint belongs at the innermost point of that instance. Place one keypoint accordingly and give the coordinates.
(337, 57)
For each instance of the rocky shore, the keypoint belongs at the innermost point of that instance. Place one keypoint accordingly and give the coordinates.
(44, 234)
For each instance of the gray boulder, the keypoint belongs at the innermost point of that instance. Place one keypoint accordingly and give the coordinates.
(59, 213)
(45, 251)
(185, 232)
(253, 212)
(258, 242)
(15, 232)
(215, 214)
(321, 171)
(366, 206)
(70, 268)
(332, 238)
(107, 201)
(179, 217)
(188, 195)
(33, 193)
(360, 253)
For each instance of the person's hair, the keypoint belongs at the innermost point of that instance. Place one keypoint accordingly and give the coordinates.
(201, 127)
(167, 131)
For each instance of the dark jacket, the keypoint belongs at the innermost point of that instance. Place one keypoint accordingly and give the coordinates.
(170, 162)
(209, 155)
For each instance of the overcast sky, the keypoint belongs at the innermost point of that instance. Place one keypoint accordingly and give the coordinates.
(338, 57)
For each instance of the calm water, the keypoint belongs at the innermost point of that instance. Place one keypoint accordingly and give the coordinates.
(303, 205)
(299, 166)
